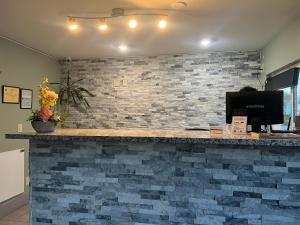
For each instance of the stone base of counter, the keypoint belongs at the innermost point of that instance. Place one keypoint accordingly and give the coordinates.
(94, 183)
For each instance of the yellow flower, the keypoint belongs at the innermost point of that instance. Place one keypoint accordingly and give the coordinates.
(47, 98)
(45, 80)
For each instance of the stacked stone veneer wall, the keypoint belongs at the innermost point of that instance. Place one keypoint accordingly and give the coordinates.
(168, 91)
(94, 183)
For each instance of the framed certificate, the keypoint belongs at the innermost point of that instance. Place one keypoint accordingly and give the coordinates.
(10, 95)
(26, 99)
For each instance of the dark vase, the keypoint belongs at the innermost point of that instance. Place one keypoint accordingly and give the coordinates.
(43, 127)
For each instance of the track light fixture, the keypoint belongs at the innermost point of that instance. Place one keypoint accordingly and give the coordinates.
(103, 25)
(117, 12)
(72, 24)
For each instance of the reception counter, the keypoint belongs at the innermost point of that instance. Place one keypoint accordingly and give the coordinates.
(147, 177)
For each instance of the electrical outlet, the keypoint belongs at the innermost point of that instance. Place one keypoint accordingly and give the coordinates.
(116, 83)
(27, 181)
(120, 83)
(124, 83)
(20, 128)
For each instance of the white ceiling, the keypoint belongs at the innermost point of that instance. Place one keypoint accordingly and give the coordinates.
(232, 24)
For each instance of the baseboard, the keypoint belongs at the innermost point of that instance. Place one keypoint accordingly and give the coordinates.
(13, 204)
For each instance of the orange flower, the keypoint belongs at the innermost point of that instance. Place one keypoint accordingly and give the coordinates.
(45, 113)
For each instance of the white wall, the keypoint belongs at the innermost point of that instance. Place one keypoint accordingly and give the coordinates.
(283, 49)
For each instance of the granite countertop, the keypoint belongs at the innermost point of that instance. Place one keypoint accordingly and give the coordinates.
(161, 136)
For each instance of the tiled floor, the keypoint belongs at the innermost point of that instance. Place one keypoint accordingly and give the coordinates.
(19, 217)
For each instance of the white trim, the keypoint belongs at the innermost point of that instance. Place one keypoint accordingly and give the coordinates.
(27, 47)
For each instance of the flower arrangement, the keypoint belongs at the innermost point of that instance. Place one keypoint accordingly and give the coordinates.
(47, 100)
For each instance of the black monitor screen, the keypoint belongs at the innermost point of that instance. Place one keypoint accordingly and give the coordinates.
(263, 107)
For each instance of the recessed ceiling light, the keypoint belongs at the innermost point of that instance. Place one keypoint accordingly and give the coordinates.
(162, 24)
(205, 42)
(132, 23)
(123, 48)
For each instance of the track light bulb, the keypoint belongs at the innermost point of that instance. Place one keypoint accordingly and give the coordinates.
(103, 25)
(72, 24)
(132, 23)
(162, 24)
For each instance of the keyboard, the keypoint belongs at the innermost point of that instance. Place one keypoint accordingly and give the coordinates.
(286, 131)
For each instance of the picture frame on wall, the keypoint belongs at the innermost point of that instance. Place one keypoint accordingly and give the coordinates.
(10, 94)
(26, 98)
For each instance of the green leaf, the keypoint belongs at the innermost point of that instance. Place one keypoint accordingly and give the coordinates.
(54, 83)
(72, 93)
(86, 91)
(61, 95)
(74, 100)
(79, 95)
(77, 81)
(87, 103)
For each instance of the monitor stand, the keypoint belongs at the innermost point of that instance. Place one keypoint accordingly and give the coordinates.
(256, 124)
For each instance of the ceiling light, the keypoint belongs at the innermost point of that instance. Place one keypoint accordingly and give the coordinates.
(103, 25)
(132, 23)
(72, 24)
(205, 43)
(73, 27)
(123, 48)
(162, 24)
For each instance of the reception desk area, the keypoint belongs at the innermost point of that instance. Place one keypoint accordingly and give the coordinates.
(163, 177)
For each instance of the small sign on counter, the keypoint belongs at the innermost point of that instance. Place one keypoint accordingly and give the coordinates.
(216, 131)
(239, 125)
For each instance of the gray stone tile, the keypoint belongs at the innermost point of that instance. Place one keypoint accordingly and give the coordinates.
(162, 92)
(162, 184)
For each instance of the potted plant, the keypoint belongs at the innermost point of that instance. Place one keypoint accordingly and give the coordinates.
(71, 93)
(45, 119)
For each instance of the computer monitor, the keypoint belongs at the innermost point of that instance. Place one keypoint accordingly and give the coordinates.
(261, 107)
